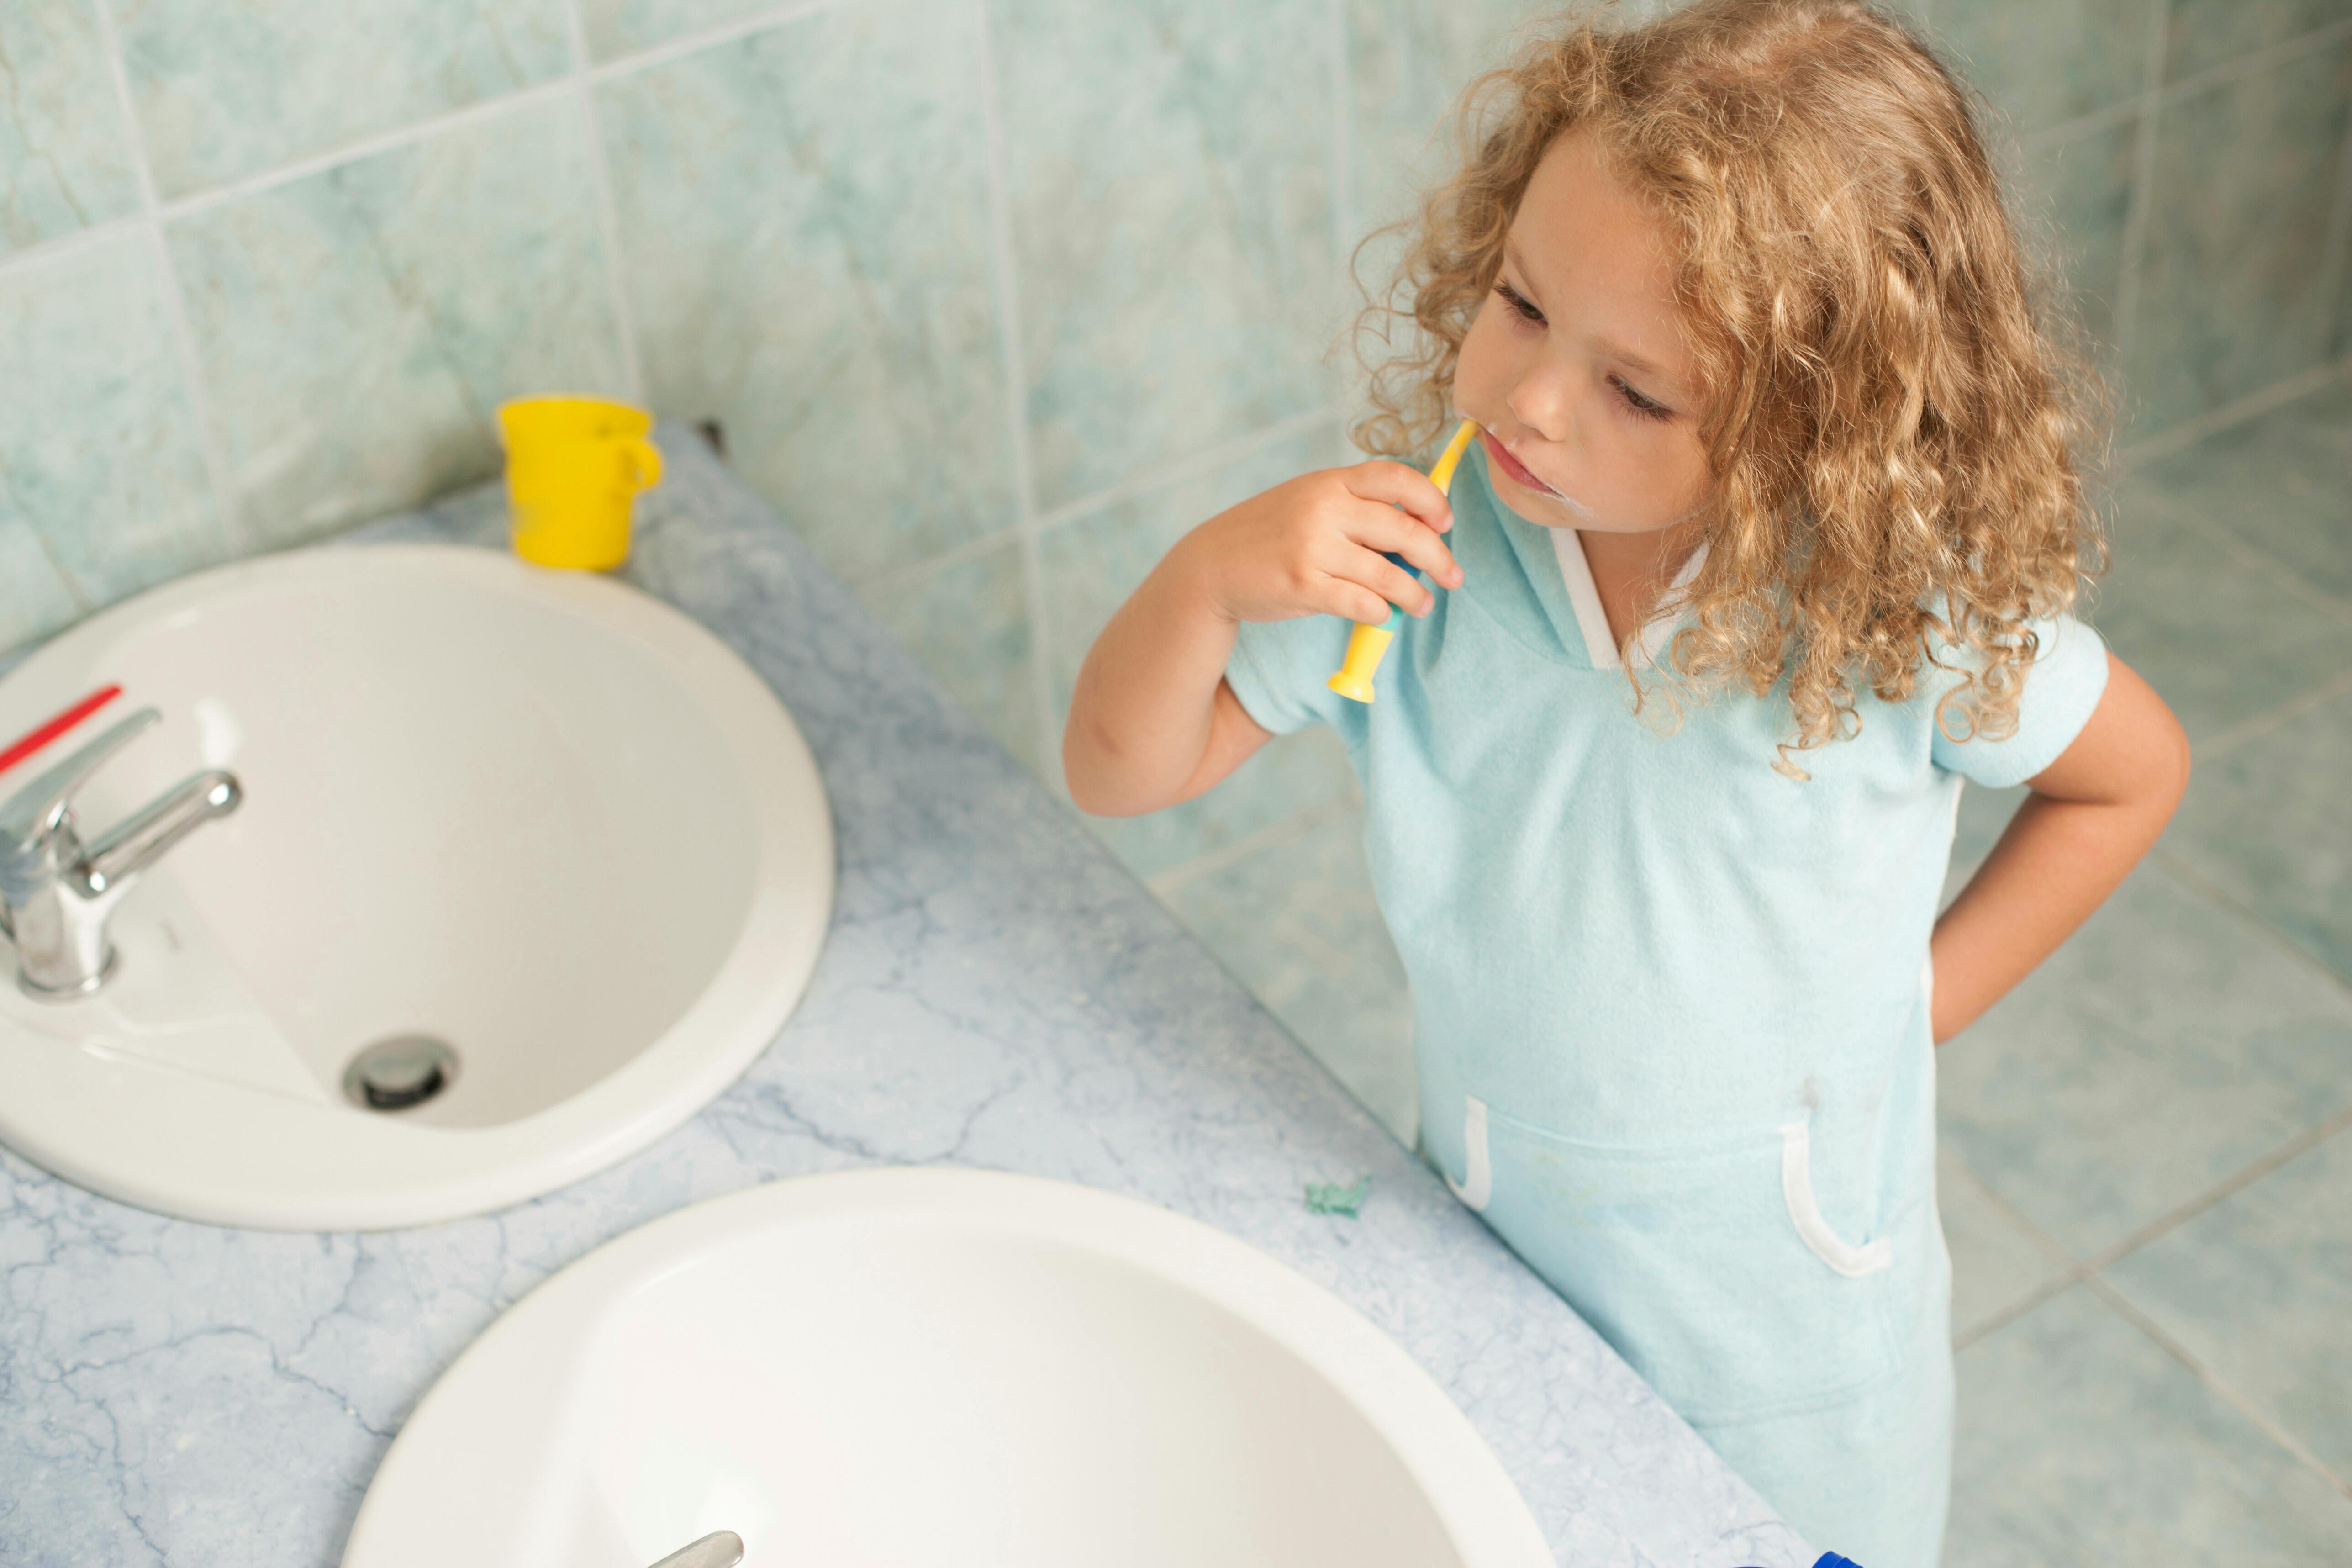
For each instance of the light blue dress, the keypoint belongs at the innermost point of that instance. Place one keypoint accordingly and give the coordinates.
(1671, 1006)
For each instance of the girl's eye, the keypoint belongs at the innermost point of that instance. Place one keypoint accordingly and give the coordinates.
(1647, 407)
(1518, 302)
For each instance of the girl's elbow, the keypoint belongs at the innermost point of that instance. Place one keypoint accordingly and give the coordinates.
(2173, 781)
(2159, 772)
(1091, 771)
(1082, 773)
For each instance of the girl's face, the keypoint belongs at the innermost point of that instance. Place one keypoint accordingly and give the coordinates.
(1575, 368)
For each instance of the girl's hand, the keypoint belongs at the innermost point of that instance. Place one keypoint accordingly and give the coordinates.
(1313, 547)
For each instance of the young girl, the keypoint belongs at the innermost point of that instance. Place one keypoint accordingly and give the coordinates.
(1766, 542)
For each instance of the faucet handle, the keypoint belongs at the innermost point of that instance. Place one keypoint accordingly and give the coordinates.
(34, 812)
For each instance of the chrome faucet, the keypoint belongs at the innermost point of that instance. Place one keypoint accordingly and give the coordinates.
(57, 893)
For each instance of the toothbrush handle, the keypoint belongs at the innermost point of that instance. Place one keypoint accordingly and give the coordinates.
(1367, 644)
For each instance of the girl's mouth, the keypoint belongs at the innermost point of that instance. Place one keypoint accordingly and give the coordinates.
(1511, 466)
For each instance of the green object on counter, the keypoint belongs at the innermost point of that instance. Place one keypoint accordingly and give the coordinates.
(1333, 1198)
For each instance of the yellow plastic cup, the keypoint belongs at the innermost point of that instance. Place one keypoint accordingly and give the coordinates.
(574, 465)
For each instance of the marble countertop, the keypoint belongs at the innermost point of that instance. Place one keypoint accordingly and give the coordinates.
(995, 992)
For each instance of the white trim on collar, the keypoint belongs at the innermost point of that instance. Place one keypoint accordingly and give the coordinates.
(1576, 571)
(1584, 598)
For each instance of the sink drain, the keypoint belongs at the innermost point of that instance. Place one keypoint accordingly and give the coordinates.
(400, 1071)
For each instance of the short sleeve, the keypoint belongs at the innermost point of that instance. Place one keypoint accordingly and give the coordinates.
(1279, 670)
(2064, 685)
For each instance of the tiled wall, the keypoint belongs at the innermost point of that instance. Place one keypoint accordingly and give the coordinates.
(995, 298)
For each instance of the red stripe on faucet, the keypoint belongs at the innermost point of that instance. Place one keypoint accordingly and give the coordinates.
(41, 735)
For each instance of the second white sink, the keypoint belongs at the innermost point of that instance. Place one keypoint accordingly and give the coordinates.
(888, 1369)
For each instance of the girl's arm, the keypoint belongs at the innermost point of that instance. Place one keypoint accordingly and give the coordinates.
(2092, 815)
(1153, 720)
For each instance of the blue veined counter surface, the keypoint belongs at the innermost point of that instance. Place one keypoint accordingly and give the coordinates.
(996, 991)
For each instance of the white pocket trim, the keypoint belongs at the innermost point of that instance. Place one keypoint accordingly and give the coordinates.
(1478, 1184)
(1805, 1213)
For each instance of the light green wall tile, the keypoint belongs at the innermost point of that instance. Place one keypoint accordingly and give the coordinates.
(2232, 297)
(617, 28)
(1289, 773)
(34, 598)
(225, 91)
(1297, 923)
(2072, 198)
(65, 159)
(968, 621)
(2207, 33)
(1407, 64)
(2057, 60)
(1171, 176)
(2222, 640)
(99, 451)
(2283, 483)
(804, 224)
(359, 327)
(1091, 565)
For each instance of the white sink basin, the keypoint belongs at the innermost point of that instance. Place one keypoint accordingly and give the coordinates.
(904, 1369)
(537, 817)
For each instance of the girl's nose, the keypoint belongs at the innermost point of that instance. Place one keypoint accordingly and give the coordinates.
(1539, 402)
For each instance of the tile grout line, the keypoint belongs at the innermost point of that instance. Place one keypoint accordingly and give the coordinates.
(893, 578)
(231, 517)
(907, 573)
(1343, 146)
(779, 15)
(72, 590)
(2090, 124)
(2069, 1267)
(2130, 1312)
(1285, 830)
(415, 131)
(2234, 413)
(1006, 302)
(2332, 250)
(2205, 887)
(532, 96)
(1204, 461)
(608, 216)
(2262, 723)
(2301, 1143)
(2246, 553)
(2143, 193)
(2156, 92)
(65, 247)
(711, 38)
(2258, 61)
(2040, 1295)
(2078, 1272)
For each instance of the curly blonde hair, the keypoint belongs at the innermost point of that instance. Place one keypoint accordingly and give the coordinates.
(1890, 427)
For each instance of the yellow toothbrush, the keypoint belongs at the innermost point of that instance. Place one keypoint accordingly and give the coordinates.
(1366, 645)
